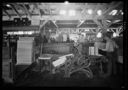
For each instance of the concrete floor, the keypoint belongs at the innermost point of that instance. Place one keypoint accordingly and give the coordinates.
(43, 79)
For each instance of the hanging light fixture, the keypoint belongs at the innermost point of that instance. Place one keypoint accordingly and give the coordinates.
(90, 11)
(113, 12)
(8, 5)
(121, 12)
(66, 2)
(108, 30)
(99, 12)
(50, 30)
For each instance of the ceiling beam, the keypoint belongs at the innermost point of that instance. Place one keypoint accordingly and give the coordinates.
(99, 6)
(106, 9)
(103, 24)
(54, 21)
(37, 7)
(98, 23)
(59, 17)
(43, 23)
(7, 13)
(13, 6)
(115, 17)
(81, 22)
(106, 24)
(77, 17)
(22, 8)
(26, 10)
(41, 26)
(111, 7)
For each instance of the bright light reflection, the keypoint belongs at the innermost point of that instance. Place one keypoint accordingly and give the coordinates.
(8, 5)
(62, 12)
(113, 12)
(114, 34)
(90, 11)
(99, 12)
(99, 35)
(72, 13)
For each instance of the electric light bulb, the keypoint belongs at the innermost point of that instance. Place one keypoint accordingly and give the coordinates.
(99, 12)
(8, 5)
(62, 12)
(66, 2)
(90, 11)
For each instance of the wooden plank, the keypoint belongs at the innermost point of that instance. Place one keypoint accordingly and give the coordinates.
(7, 13)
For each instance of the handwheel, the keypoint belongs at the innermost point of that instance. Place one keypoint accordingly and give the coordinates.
(86, 71)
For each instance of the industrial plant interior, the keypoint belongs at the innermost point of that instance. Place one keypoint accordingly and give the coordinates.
(63, 44)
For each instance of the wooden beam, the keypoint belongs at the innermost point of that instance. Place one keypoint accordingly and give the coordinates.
(107, 9)
(98, 23)
(101, 25)
(81, 22)
(84, 8)
(36, 6)
(59, 17)
(111, 7)
(120, 28)
(55, 17)
(105, 24)
(26, 10)
(20, 7)
(43, 23)
(115, 17)
(6, 13)
(95, 8)
(13, 6)
(54, 23)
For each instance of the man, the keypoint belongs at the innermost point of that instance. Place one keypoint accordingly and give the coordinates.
(111, 55)
(81, 41)
(98, 44)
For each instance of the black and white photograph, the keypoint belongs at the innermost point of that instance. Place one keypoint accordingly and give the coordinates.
(63, 44)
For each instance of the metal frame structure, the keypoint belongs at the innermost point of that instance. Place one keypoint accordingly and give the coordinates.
(50, 11)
